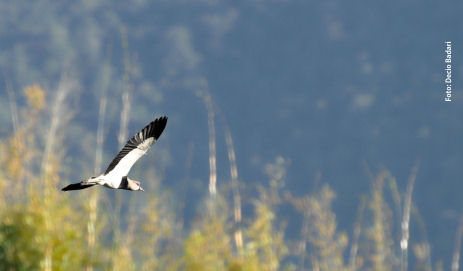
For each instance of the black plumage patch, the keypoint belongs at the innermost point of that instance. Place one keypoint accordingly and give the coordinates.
(124, 183)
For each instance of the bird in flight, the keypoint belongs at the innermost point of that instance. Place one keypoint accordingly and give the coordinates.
(115, 176)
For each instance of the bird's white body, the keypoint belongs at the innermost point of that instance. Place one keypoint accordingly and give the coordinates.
(105, 180)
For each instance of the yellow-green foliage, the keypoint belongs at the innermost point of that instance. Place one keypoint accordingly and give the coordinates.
(38, 228)
(42, 228)
(35, 97)
(265, 247)
(327, 246)
(379, 231)
(20, 241)
(208, 247)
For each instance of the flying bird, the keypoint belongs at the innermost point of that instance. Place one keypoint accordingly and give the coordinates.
(115, 176)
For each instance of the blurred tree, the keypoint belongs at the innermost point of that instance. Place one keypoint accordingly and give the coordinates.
(209, 247)
(380, 254)
(19, 241)
(40, 229)
(327, 246)
(265, 247)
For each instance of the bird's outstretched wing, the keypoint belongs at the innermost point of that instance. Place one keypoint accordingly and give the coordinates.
(136, 147)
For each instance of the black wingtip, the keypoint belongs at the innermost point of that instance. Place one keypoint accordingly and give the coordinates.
(162, 121)
(159, 125)
(76, 186)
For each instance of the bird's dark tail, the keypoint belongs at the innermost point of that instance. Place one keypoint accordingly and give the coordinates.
(77, 186)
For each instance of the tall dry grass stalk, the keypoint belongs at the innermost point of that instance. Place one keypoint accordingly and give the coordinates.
(212, 145)
(457, 246)
(120, 245)
(353, 253)
(60, 114)
(405, 225)
(212, 111)
(238, 235)
(94, 194)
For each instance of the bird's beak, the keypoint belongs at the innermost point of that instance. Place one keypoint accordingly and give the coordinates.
(141, 189)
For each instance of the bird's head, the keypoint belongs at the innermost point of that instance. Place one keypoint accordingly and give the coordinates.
(134, 185)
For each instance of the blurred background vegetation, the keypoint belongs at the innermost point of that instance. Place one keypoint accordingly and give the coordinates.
(301, 135)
